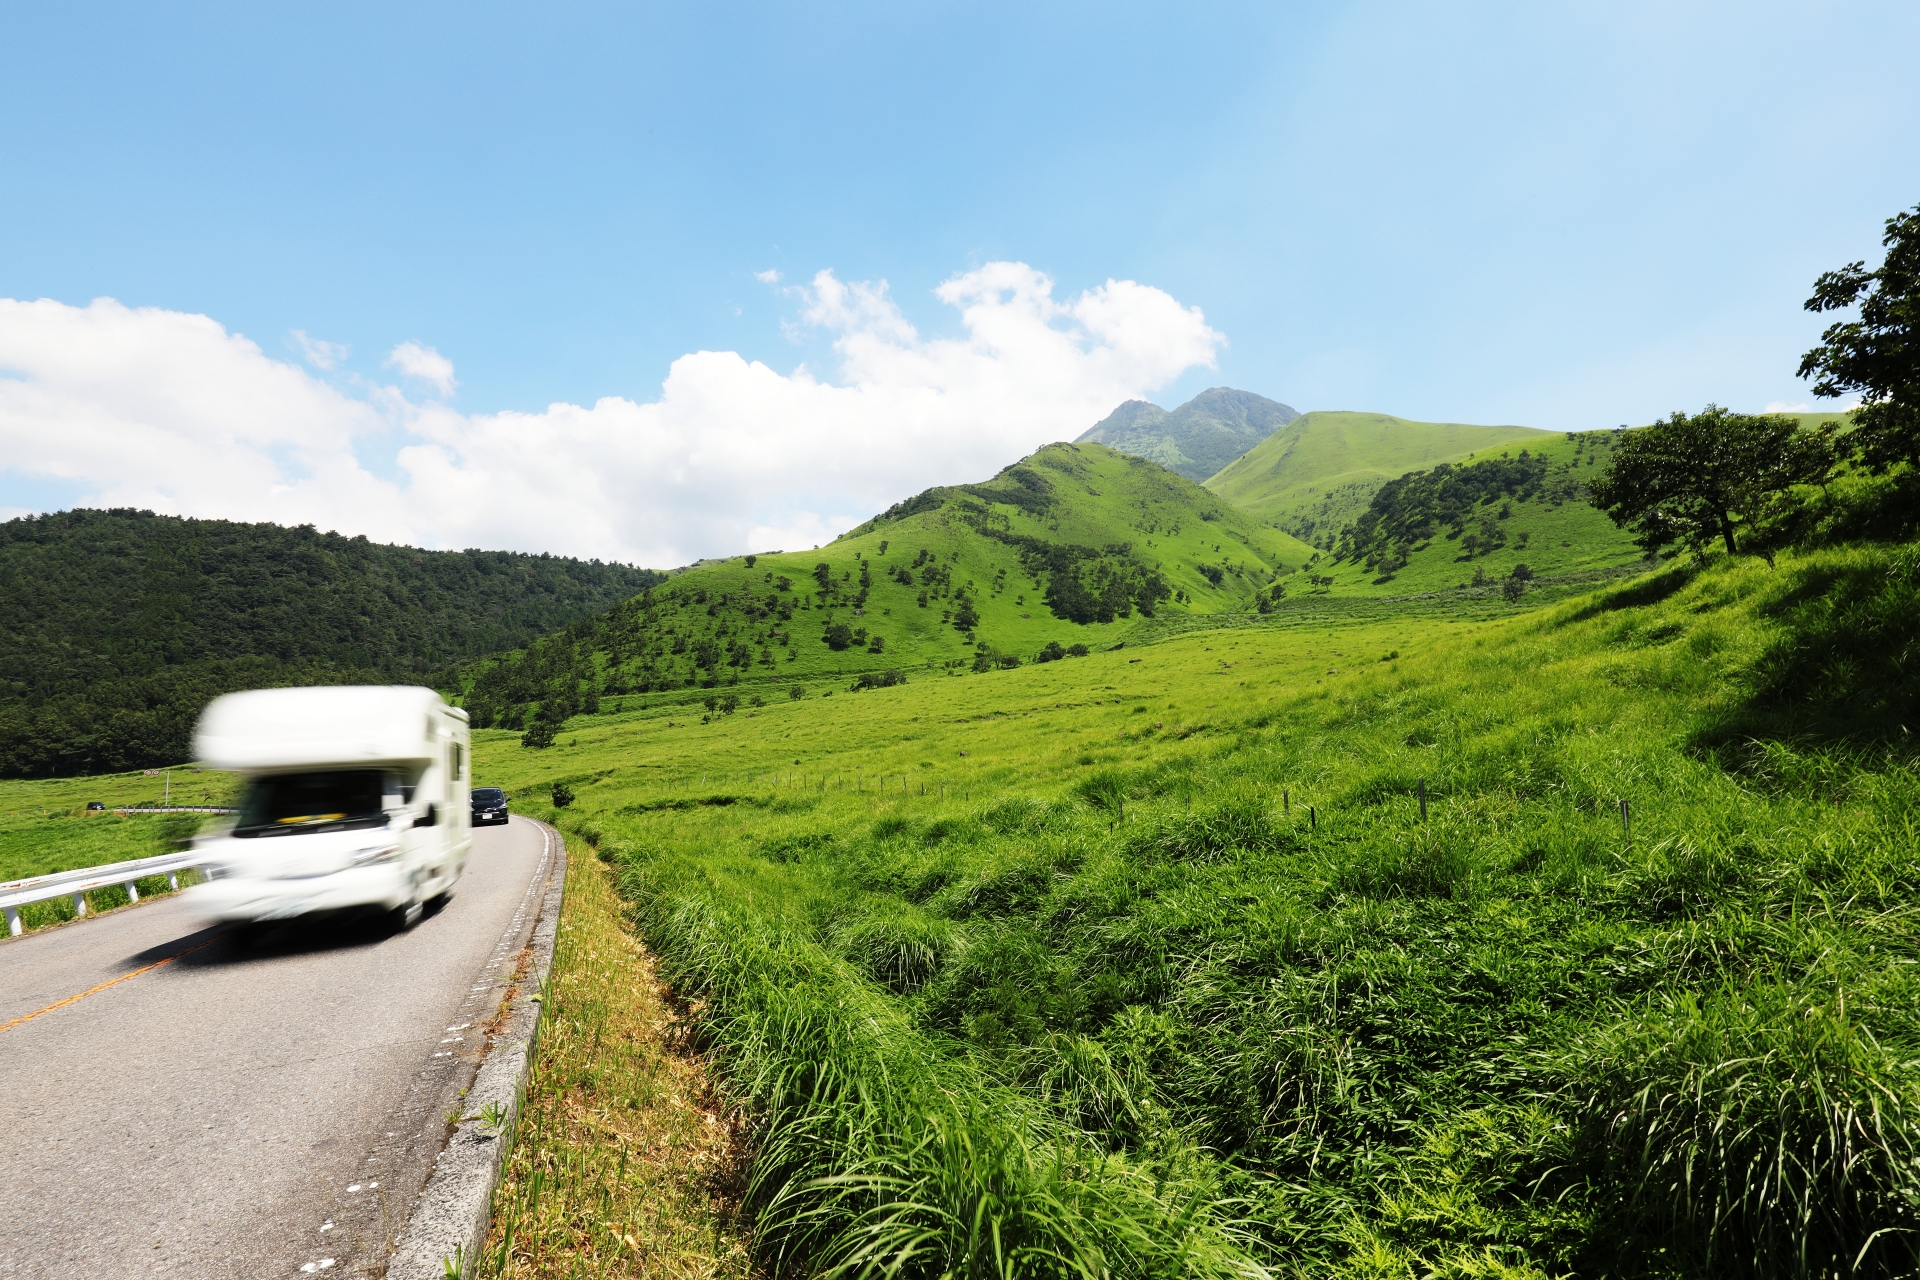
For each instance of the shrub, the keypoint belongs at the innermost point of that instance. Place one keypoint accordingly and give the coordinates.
(562, 795)
(796, 693)
(839, 636)
(539, 735)
(879, 679)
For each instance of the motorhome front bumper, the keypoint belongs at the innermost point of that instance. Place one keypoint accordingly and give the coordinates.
(239, 897)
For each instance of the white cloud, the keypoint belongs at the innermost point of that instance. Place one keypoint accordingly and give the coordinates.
(320, 353)
(169, 411)
(770, 276)
(424, 363)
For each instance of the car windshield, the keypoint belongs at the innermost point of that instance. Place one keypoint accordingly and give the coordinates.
(488, 795)
(330, 800)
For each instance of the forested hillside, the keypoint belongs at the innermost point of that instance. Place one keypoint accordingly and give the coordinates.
(1072, 546)
(116, 627)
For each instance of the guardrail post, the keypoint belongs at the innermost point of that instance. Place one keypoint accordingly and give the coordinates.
(79, 905)
(173, 879)
(13, 921)
(133, 894)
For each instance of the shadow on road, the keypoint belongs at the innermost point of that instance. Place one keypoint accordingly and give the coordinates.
(232, 944)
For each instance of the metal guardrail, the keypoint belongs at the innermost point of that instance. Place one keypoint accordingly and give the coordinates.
(174, 808)
(15, 894)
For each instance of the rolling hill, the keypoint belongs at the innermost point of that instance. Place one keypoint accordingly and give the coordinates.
(116, 627)
(1315, 475)
(1071, 546)
(1475, 521)
(1196, 439)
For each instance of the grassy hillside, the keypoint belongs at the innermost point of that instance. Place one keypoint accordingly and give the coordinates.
(116, 627)
(1150, 961)
(1196, 439)
(1474, 522)
(1075, 545)
(1314, 476)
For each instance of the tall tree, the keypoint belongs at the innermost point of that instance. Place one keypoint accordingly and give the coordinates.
(1694, 478)
(1878, 355)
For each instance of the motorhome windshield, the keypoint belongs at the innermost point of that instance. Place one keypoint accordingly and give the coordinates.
(332, 800)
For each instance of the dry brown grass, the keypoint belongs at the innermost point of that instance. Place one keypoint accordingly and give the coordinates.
(627, 1162)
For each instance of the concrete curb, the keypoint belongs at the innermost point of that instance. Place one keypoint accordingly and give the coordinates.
(449, 1223)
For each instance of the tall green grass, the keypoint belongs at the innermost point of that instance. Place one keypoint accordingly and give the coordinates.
(1024, 1035)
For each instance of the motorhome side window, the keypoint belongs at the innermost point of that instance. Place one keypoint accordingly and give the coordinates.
(288, 803)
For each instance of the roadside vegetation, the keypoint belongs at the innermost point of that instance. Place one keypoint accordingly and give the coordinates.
(1191, 989)
(628, 1161)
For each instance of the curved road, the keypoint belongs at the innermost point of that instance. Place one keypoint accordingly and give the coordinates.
(249, 1112)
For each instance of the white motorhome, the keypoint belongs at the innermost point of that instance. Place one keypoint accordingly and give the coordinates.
(355, 802)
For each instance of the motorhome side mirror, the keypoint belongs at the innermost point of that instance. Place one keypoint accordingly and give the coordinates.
(428, 818)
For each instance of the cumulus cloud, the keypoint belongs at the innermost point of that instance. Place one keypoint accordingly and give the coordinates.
(769, 276)
(424, 363)
(171, 412)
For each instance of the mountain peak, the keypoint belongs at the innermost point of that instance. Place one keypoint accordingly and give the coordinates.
(1198, 438)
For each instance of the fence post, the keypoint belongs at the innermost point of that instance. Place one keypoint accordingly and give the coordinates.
(1626, 823)
(1313, 819)
(1286, 802)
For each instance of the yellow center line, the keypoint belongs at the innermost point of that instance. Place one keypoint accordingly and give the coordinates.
(61, 1004)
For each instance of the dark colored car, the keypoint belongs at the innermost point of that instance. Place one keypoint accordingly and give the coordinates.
(489, 805)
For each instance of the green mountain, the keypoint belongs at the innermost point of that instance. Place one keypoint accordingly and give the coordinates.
(1314, 476)
(1197, 439)
(116, 627)
(1072, 546)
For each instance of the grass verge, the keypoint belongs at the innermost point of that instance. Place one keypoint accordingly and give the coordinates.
(628, 1161)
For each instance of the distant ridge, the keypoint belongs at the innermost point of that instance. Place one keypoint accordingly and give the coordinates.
(1198, 438)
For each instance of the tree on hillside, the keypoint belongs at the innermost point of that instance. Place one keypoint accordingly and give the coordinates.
(1878, 355)
(1693, 478)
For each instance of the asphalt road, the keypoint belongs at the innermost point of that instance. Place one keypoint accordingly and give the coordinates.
(244, 1111)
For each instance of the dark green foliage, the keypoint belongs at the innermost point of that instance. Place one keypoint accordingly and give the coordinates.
(1877, 355)
(1694, 479)
(878, 679)
(838, 636)
(1419, 506)
(539, 735)
(562, 795)
(117, 627)
(1086, 584)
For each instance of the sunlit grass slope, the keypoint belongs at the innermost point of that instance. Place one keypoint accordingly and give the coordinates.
(1314, 475)
(1146, 963)
(905, 585)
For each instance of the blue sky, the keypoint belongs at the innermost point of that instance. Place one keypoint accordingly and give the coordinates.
(1568, 216)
